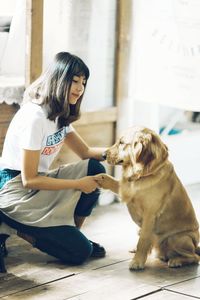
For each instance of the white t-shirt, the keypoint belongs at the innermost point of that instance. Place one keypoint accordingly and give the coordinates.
(31, 130)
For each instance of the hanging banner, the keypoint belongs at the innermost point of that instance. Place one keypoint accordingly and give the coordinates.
(166, 53)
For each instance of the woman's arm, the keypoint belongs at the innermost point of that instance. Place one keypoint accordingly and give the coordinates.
(31, 179)
(80, 147)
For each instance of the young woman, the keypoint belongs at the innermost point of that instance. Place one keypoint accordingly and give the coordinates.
(48, 208)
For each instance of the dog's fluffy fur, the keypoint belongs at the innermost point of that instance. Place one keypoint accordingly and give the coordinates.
(155, 197)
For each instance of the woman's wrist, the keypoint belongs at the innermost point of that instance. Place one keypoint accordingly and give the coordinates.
(75, 184)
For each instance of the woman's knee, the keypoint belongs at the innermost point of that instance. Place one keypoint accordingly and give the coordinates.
(95, 167)
(82, 254)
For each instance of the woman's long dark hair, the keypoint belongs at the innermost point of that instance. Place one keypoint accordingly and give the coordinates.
(52, 88)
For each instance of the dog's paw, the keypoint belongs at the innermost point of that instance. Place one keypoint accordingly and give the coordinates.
(136, 265)
(175, 263)
(105, 181)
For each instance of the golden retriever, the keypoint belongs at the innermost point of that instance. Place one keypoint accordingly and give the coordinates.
(155, 197)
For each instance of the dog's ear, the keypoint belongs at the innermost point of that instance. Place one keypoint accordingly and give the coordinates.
(142, 149)
(134, 169)
(141, 155)
(137, 150)
(134, 152)
(159, 149)
(154, 153)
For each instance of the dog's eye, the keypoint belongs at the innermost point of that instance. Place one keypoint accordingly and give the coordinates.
(121, 142)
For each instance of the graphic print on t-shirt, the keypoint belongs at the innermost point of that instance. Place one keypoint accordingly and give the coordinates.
(54, 142)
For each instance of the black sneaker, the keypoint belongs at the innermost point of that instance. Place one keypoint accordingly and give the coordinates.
(98, 250)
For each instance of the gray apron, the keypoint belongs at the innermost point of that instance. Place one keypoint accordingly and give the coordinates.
(43, 208)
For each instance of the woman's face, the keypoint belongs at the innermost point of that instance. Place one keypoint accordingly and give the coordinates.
(77, 88)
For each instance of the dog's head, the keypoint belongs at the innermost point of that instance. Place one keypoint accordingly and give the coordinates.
(140, 151)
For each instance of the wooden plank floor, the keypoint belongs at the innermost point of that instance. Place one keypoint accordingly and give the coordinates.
(35, 275)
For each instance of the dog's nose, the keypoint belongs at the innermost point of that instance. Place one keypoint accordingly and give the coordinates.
(104, 155)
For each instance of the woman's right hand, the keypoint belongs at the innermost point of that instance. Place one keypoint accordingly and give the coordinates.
(87, 184)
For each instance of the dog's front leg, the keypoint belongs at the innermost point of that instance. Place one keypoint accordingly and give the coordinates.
(107, 182)
(144, 244)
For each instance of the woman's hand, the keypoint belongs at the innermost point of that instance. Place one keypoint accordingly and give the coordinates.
(87, 184)
(107, 182)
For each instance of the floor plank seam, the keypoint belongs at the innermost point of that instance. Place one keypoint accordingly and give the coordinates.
(38, 285)
(178, 282)
(147, 294)
(75, 296)
(179, 293)
(111, 264)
